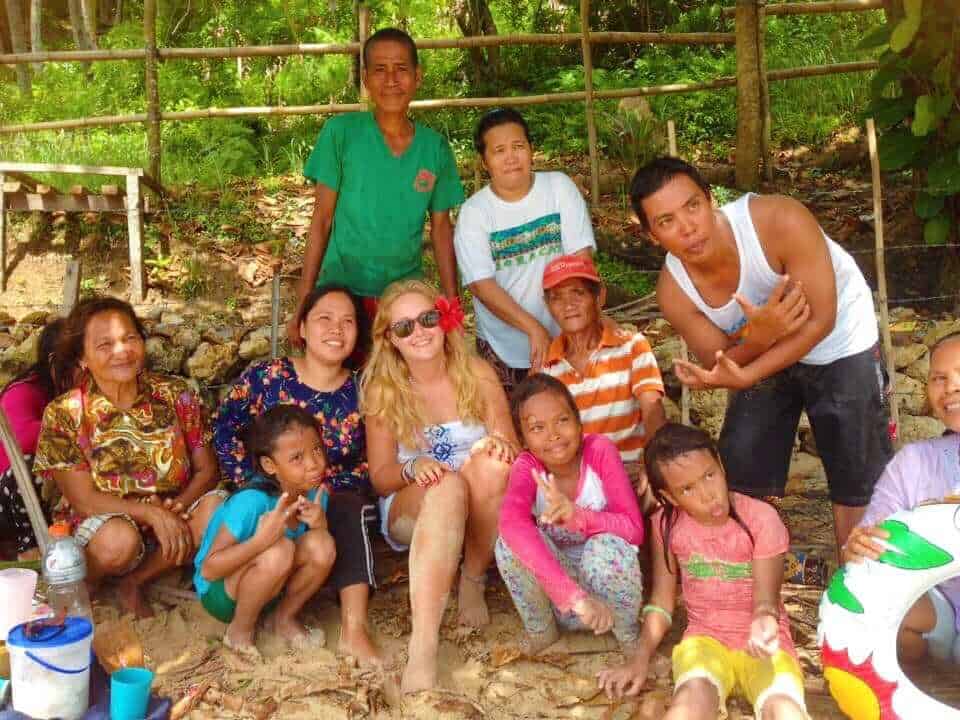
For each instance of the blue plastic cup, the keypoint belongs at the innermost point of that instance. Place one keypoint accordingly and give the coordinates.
(130, 693)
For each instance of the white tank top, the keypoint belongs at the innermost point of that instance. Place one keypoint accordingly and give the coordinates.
(855, 329)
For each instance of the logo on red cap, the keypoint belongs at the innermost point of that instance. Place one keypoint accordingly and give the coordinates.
(569, 266)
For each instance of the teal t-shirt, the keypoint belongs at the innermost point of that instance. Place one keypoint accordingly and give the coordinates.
(240, 513)
(382, 202)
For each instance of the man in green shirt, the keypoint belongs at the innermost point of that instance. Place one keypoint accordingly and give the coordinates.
(377, 175)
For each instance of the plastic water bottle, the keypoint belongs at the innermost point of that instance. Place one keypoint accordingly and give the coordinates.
(64, 570)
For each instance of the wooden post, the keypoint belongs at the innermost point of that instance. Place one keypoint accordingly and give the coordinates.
(684, 352)
(71, 286)
(749, 120)
(363, 22)
(275, 316)
(3, 235)
(882, 274)
(152, 88)
(135, 230)
(588, 102)
(21, 473)
(766, 156)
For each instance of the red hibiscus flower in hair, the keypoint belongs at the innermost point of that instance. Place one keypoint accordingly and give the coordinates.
(451, 314)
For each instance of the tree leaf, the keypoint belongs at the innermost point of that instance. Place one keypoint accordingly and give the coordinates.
(943, 175)
(887, 73)
(936, 230)
(926, 205)
(898, 149)
(924, 116)
(877, 37)
(888, 112)
(906, 29)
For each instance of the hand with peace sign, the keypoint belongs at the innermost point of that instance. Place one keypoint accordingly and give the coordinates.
(312, 512)
(274, 523)
(785, 312)
(559, 508)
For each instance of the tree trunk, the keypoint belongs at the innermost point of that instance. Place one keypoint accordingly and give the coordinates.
(117, 12)
(474, 18)
(18, 38)
(89, 10)
(4, 34)
(36, 30)
(105, 11)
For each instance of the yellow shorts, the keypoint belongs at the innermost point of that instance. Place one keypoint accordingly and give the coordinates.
(736, 672)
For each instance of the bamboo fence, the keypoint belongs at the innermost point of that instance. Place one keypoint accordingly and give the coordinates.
(751, 80)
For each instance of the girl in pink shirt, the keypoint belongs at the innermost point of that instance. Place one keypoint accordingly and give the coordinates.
(728, 550)
(569, 524)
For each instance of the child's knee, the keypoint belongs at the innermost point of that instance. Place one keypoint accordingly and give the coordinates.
(699, 695)
(317, 549)
(116, 547)
(607, 555)
(781, 707)
(278, 558)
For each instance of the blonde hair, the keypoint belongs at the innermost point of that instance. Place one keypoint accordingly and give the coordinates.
(385, 388)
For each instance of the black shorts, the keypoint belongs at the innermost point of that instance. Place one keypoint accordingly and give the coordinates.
(352, 520)
(845, 403)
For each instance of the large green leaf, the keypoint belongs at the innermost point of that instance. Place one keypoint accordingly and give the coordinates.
(906, 29)
(898, 148)
(913, 552)
(877, 37)
(892, 68)
(924, 116)
(888, 112)
(926, 205)
(936, 230)
(943, 175)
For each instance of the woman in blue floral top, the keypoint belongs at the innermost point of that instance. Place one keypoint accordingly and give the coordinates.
(319, 382)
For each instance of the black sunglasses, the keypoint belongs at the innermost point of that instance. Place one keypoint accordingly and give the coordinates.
(404, 328)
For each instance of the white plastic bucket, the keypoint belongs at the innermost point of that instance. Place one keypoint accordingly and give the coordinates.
(50, 670)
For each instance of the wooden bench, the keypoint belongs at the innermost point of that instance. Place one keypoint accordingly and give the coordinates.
(19, 192)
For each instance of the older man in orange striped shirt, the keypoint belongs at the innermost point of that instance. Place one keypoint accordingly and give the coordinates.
(612, 374)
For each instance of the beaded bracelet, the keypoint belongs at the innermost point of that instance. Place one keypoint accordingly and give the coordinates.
(649, 608)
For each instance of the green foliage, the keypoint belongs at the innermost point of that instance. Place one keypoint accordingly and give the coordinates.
(916, 102)
(617, 272)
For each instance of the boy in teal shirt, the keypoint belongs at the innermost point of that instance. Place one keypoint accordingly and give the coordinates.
(377, 174)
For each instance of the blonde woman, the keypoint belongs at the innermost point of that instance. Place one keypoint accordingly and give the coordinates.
(440, 442)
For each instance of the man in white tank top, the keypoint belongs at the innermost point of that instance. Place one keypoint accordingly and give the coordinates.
(780, 314)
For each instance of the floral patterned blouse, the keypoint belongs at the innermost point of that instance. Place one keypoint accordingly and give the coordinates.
(275, 382)
(144, 450)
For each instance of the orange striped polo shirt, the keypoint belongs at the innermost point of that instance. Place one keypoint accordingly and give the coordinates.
(621, 368)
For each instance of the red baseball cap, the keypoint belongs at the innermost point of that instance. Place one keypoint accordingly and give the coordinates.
(569, 266)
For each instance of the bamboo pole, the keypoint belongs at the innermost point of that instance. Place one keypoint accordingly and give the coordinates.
(353, 48)
(332, 108)
(815, 8)
(363, 27)
(152, 88)
(882, 271)
(766, 158)
(21, 473)
(588, 102)
(749, 122)
(275, 315)
(684, 351)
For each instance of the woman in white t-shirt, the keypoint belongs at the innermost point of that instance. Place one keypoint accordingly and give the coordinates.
(506, 234)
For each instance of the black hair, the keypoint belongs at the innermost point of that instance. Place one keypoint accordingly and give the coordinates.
(945, 340)
(670, 442)
(42, 370)
(363, 322)
(393, 35)
(260, 439)
(534, 384)
(69, 350)
(654, 175)
(495, 118)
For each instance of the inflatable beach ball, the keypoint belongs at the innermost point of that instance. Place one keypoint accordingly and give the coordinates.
(863, 606)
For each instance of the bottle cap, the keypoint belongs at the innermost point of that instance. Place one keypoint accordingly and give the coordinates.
(60, 529)
(64, 561)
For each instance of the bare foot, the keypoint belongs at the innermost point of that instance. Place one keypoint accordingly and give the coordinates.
(471, 601)
(536, 643)
(294, 633)
(131, 599)
(242, 644)
(357, 644)
(421, 670)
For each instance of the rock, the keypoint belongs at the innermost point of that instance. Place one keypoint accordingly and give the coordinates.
(37, 317)
(171, 318)
(24, 354)
(902, 313)
(671, 409)
(219, 333)
(152, 313)
(7, 319)
(665, 353)
(908, 354)
(806, 475)
(211, 363)
(709, 407)
(7, 341)
(187, 337)
(909, 394)
(164, 356)
(913, 428)
(256, 344)
(940, 329)
(919, 369)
